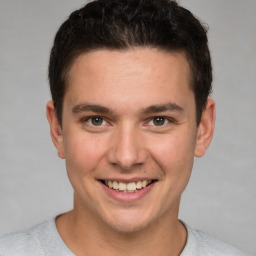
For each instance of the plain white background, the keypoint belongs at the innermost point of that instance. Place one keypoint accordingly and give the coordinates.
(220, 198)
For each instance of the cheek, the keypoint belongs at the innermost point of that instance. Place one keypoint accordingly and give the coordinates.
(173, 149)
(175, 156)
(82, 154)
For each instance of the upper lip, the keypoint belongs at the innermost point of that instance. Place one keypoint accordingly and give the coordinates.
(128, 180)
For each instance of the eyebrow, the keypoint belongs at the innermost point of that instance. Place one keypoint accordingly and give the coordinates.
(162, 107)
(83, 107)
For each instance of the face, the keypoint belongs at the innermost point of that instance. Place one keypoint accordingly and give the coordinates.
(129, 135)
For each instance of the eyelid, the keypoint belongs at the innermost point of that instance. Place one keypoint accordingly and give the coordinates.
(107, 122)
(168, 119)
(87, 118)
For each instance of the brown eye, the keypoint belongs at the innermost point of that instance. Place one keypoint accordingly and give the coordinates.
(97, 120)
(158, 121)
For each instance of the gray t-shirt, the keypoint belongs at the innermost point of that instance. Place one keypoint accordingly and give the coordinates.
(44, 240)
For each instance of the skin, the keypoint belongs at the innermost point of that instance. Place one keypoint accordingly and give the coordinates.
(129, 143)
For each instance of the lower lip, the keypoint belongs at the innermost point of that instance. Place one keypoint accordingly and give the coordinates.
(127, 197)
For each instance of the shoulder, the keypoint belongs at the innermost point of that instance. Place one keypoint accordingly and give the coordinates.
(201, 243)
(28, 242)
(214, 246)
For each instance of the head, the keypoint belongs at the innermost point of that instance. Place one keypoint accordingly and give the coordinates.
(126, 24)
(130, 81)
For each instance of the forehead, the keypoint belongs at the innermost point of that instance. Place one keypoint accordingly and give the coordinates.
(134, 75)
(149, 57)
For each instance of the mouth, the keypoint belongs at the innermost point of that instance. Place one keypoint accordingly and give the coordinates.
(131, 187)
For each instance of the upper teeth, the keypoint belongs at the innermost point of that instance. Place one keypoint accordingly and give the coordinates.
(129, 187)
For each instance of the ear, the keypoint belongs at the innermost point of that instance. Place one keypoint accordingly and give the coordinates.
(55, 129)
(205, 128)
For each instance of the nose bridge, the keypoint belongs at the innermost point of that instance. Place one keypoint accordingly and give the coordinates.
(127, 148)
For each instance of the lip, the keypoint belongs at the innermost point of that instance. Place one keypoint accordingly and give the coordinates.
(125, 180)
(127, 197)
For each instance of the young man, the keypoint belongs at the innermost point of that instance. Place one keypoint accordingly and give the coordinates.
(130, 81)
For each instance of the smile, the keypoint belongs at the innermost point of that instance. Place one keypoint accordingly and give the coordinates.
(131, 187)
(129, 190)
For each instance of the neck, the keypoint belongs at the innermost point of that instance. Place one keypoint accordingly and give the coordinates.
(85, 236)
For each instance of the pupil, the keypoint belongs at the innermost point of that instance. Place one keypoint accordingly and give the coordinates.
(159, 120)
(97, 120)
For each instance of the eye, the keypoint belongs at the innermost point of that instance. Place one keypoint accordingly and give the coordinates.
(159, 121)
(96, 121)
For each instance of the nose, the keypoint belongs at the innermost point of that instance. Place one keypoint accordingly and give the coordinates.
(127, 149)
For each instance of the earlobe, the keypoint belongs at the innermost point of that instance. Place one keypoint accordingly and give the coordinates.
(55, 129)
(205, 128)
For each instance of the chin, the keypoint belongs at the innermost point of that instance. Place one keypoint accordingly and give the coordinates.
(127, 222)
(127, 227)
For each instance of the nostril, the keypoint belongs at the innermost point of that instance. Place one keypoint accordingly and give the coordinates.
(126, 150)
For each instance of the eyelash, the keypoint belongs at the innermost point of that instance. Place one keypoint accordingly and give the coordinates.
(167, 120)
(90, 118)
